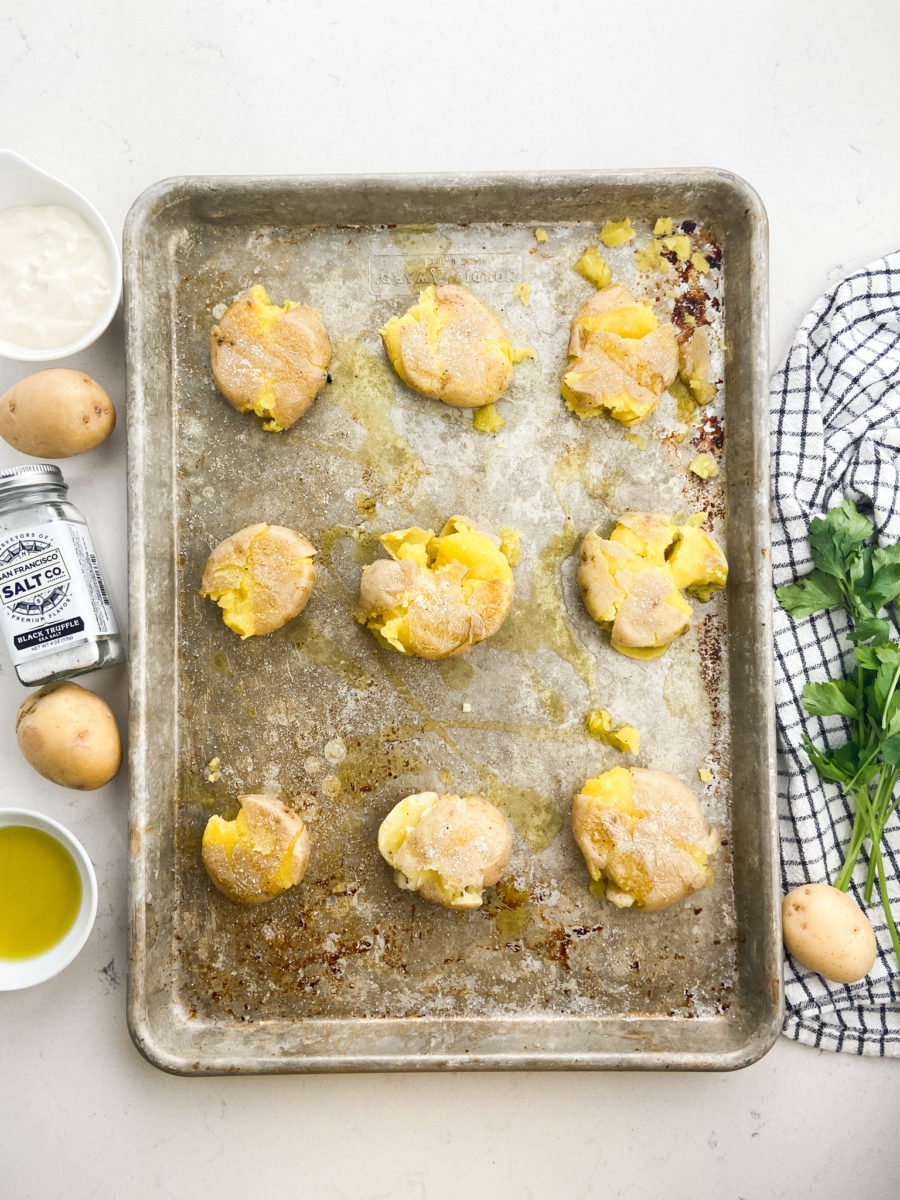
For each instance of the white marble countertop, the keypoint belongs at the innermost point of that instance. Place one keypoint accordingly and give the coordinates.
(800, 99)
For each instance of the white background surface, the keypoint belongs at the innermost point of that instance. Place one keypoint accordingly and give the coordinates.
(800, 98)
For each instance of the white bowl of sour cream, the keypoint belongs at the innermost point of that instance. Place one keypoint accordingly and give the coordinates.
(60, 266)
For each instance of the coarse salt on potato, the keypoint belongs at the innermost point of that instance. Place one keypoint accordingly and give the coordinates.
(643, 836)
(449, 346)
(260, 854)
(436, 596)
(269, 359)
(632, 582)
(261, 577)
(446, 848)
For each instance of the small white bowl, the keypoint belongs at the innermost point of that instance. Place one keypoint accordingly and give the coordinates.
(16, 973)
(23, 183)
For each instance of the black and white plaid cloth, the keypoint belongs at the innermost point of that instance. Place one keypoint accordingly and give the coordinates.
(836, 435)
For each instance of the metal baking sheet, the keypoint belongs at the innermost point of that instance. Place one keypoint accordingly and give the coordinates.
(346, 971)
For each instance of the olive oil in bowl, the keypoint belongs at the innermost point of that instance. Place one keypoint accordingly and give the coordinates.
(40, 891)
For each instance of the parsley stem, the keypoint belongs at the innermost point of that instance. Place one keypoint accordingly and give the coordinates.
(885, 901)
(860, 706)
(861, 829)
(889, 697)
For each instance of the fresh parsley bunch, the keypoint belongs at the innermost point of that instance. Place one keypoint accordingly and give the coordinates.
(863, 579)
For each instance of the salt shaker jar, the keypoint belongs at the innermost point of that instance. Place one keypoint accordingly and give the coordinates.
(55, 612)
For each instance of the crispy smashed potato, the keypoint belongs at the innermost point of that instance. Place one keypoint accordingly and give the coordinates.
(449, 346)
(446, 848)
(261, 577)
(270, 360)
(260, 854)
(436, 596)
(632, 582)
(643, 837)
(621, 359)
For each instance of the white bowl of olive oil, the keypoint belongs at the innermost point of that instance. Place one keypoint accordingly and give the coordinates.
(48, 898)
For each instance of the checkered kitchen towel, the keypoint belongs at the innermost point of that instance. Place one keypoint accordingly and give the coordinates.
(836, 435)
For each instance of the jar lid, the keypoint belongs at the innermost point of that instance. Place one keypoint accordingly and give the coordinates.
(28, 476)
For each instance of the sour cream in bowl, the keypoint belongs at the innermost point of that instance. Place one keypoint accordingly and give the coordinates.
(60, 266)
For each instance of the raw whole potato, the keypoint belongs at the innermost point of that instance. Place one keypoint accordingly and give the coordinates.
(270, 360)
(449, 346)
(436, 596)
(643, 837)
(632, 582)
(261, 577)
(826, 931)
(620, 358)
(258, 855)
(56, 414)
(446, 848)
(69, 735)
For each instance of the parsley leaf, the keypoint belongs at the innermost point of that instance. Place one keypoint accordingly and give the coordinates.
(811, 594)
(832, 538)
(870, 629)
(837, 697)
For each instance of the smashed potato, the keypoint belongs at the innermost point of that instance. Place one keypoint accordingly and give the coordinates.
(446, 848)
(620, 358)
(261, 577)
(436, 596)
(270, 360)
(643, 837)
(260, 854)
(449, 346)
(632, 582)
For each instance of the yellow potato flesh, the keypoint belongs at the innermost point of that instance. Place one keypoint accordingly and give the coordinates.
(237, 833)
(425, 313)
(265, 314)
(644, 857)
(684, 555)
(238, 604)
(616, 233)
(609, 368)
(447, 848)
(459, 550)
(630, 321)
(396, 828)
(599, 724)
(487, 419)
(613, 788)
(464, 358)
(697, 563)
(593, 267)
